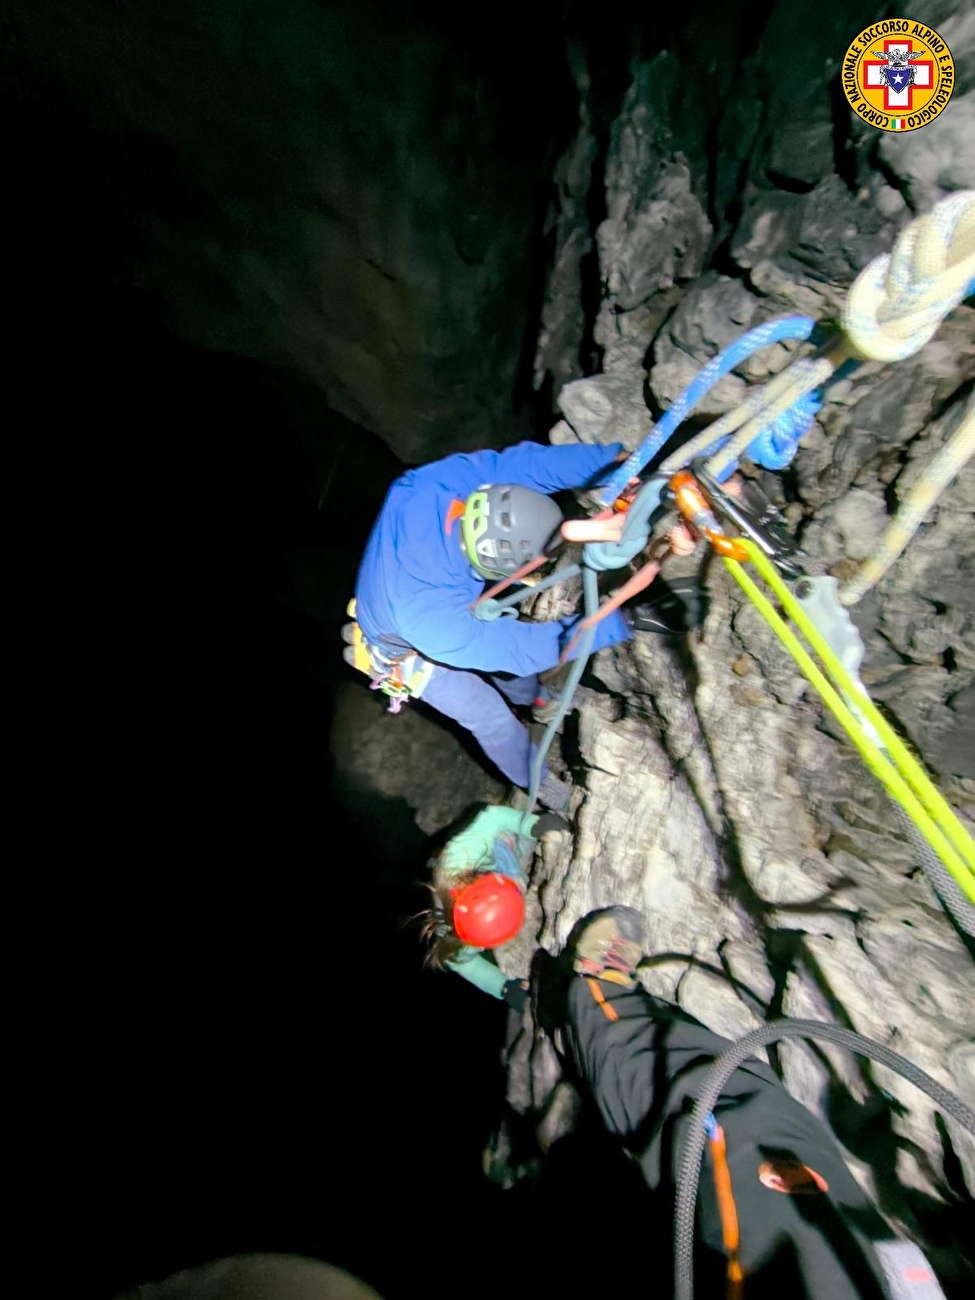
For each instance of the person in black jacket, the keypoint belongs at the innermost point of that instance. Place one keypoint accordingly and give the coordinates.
(778, 1211)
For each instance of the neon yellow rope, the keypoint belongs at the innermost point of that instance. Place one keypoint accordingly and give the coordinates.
(958, 861)
(897, 750)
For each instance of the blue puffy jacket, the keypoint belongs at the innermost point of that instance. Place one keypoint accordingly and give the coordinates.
(415, 586)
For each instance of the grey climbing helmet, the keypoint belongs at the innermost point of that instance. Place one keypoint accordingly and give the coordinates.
(505, 525)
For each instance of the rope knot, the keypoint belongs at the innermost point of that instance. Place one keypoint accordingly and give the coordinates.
(897, 302)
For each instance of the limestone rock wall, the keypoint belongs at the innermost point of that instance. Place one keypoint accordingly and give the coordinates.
(713, 792)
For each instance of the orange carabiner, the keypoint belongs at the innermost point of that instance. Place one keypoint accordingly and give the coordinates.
(626, 498)
(726, 546)
(694, 505)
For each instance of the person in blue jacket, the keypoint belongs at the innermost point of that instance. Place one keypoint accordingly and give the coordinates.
(443, 531)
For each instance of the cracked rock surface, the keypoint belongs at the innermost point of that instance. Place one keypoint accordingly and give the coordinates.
(712, 790)
(714, 793)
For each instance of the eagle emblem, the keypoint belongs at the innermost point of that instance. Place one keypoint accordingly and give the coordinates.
(898, 74)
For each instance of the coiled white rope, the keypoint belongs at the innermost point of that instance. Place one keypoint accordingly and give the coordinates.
(897, 302)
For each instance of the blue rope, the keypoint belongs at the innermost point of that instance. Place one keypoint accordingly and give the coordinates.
(778, 442)
(773, 331)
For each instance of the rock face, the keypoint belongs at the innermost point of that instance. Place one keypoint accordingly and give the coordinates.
(713, 792)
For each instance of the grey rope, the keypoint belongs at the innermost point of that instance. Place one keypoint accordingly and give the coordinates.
(940, 879)
(591, 595)
(498, 606)
(720, 1072)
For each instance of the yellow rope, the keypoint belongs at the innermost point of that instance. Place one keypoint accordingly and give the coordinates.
(853, 689)
(952, 457)
(897, 750)
(781, 393)
(894, 765)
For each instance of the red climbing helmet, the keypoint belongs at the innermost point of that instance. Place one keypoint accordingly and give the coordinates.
(489, 911)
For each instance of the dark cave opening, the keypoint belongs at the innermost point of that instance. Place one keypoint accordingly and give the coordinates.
(224, 1039)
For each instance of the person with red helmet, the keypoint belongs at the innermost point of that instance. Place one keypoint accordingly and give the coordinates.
(479, 882)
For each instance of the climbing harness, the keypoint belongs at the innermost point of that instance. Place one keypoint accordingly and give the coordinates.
(401, 679)
(702, 1122)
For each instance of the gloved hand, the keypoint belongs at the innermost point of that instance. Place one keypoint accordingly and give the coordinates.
(515, 993)
(548, 821)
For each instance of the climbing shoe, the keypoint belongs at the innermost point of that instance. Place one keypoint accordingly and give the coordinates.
(554, 794)
(670, 607)
(610, 945)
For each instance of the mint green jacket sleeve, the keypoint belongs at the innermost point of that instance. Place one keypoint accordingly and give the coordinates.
(471, 849)
(480, 972)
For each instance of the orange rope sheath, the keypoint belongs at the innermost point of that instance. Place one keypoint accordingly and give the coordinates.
(640, 580)
(608, 1010)
(529, 567)
(729, 1215)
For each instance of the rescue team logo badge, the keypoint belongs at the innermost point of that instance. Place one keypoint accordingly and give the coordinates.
(898, 75)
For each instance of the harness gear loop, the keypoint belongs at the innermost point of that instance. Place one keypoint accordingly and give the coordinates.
(401, 679)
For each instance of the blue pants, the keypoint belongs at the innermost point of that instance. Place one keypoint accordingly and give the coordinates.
(479, 704)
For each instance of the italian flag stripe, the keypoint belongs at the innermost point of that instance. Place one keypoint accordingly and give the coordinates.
(897, 123)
